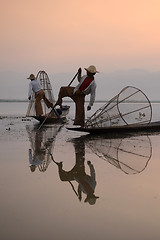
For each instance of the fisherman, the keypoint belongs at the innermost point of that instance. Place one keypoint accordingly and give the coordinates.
(87, 85)
(35, 86)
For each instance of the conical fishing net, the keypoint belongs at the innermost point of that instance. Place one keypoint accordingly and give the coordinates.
(130, 107)
(130, 154)
(43, 79)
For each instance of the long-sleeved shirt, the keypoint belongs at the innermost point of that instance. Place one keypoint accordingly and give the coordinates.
(34, 86)
(91, 89)
(34, 160)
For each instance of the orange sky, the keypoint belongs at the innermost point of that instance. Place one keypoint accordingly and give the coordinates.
(61, 35)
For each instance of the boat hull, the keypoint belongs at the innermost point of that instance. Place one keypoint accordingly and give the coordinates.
(154, 126)
(54, 119)
(48, 120)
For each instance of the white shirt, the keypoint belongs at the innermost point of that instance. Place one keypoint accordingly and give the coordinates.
(34, 86)
(91, 89)
(34, 160)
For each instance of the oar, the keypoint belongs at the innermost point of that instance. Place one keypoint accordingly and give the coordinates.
(53, 109)
(72, 80)
(68, 181)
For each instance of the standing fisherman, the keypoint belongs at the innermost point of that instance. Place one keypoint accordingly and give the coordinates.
(35, 86)
(87, 85)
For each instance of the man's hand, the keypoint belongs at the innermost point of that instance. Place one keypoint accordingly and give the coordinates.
(79, 71)
(88, 108)
(29, 98)
(80, 198)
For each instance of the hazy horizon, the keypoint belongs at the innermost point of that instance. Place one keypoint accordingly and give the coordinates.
(108, 84)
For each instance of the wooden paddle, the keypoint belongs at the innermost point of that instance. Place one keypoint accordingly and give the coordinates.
(72, 80)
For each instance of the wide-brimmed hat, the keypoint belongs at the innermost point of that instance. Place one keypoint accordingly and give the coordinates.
(91, 69)
(91, 200)
(32, 168)
(32, 77)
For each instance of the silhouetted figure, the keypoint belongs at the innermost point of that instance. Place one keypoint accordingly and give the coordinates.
(86, 183)
(37, 157)
(35, 86)
(86, 86)
(42, 143)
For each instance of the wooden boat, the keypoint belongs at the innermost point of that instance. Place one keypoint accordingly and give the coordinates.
(43, 79)
(53, 118)
(151, 127)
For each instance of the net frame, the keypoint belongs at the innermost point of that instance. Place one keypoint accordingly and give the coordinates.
(98, 120)
(129, 154)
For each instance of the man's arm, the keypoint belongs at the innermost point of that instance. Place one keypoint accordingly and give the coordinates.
(30, 91)
(79, 193)
(92, 170)
(92, 97)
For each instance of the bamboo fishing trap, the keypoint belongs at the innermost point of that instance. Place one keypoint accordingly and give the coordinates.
(129, 154)
(130, 107)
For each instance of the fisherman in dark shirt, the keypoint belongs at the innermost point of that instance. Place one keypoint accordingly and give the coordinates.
(87, 85)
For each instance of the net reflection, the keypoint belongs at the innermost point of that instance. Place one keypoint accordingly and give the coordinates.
(130, 153)
(42, 143)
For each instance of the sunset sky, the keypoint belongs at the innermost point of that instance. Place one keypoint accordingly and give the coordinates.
(60, 35)
(63, 35)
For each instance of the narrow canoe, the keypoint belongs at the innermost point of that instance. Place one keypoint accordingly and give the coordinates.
(153, 126)
(54, 119)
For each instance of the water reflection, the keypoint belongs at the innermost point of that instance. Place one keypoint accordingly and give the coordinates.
(86, 183)
(129, 153)
(42, 143)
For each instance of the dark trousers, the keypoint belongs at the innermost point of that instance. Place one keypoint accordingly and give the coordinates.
(38, 106)
(78, 98)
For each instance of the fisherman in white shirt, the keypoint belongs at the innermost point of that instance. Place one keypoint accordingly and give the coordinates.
(34, 86)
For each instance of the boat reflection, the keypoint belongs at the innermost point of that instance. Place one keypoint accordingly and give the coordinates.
(42, 143)
(129, 153)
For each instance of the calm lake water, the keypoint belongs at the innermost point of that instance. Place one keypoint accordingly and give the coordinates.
(47, 179)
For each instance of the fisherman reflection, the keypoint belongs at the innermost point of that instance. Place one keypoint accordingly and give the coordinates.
(41, 146)
(38, 156)
(86, 183)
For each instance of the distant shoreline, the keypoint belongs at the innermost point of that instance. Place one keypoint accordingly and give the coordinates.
(67, 101)
(25, 100)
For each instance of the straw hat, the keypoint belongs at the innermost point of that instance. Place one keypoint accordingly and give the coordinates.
(91, 69)
(32, 77)
(91, 200)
